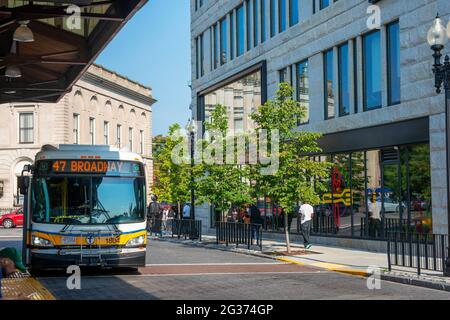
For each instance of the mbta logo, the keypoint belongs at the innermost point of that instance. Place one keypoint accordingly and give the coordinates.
(90, 239)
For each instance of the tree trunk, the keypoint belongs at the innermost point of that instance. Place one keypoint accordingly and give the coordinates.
(286, 231)
(179, 214)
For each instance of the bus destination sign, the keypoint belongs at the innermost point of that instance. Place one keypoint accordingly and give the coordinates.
(104, 167)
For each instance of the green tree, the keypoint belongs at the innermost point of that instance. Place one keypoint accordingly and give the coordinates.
(219, 184)
(293, 181)
(172, 180)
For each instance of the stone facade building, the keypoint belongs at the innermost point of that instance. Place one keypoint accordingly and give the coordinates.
(103, 107)
(368, 88)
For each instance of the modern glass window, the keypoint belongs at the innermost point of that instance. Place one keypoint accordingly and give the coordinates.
(355, 74)
(141, 141)
(202, 54)
(372, 70)
(130, 138)
(240, 29)
(232, 35)
(303, 88)
(241, 98)
(119, 135)
(26, 127)
(255, 22)
(324, 4)
(223, 41)
(281, 15)
(263, 20)
(293, 12)
(328, 85)
(249, 25)
(238, 125)
(216, 43)
(273, 26)
(283, 73)
(76, 126)
(396, 181)
(344, 81)
(197, 58)
(106, 132)
(393, 46)
(92, 130)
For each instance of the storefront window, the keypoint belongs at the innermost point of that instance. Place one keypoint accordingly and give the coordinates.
(373, 193)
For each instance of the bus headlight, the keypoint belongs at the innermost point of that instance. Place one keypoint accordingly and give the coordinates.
(40, 242)
(138, 241)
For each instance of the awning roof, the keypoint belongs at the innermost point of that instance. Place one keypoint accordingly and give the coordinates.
(63, 48)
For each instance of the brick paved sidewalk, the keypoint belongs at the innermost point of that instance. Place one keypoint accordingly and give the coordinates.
(350, 261)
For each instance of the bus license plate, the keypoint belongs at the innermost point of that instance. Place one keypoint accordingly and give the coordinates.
(69, 240)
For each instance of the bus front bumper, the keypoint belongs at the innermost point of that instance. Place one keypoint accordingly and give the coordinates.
(108, 258)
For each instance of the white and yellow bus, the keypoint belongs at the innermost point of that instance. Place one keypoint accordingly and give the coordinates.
(86, 206)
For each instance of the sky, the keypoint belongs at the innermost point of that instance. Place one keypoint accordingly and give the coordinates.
(154, 49)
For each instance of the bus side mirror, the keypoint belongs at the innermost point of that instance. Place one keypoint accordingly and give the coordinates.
(23, 182)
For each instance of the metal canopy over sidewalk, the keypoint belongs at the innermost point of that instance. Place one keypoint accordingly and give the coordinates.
(67, 39)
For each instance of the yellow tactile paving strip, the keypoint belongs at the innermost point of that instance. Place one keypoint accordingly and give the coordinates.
(328, 266)
(25, 287)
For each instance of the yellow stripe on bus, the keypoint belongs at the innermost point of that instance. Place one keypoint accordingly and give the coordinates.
(119, 240)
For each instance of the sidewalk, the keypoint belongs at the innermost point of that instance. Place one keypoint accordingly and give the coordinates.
(349, 261)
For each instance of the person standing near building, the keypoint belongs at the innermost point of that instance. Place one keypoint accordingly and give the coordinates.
(307, 213)
(256, 221)
(374, 217)
(154, 215)
(187, 211)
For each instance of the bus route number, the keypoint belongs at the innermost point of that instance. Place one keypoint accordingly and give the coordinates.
(59, 166)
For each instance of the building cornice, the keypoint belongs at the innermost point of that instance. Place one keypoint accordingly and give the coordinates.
(111, 81)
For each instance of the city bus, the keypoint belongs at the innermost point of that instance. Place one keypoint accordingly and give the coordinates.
(86, 206)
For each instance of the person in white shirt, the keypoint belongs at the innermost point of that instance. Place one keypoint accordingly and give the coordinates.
(374, 216)
(307, 212)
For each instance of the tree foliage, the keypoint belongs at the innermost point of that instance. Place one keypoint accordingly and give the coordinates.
(294, 179)
(172, 183)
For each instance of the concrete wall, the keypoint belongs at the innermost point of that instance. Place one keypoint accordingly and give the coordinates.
(343, 21)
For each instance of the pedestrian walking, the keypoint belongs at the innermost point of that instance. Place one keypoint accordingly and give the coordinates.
(256, 221)
(164, 218)
(307, 213)
(154, 215)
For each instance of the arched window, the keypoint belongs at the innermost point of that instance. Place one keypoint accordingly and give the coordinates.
(93, 105)
(78, 101)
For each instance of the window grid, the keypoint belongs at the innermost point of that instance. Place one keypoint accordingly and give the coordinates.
(76, 126)
(26, 127)
(92, 130)
(106, 132)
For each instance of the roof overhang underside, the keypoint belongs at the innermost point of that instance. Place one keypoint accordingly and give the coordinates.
(68, 37)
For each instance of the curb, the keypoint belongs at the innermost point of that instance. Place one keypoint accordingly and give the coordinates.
(416, 282)
(329, 266)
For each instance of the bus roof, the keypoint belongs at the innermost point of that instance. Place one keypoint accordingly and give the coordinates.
(79, 151)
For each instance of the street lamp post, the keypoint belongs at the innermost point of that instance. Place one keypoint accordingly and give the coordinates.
(436, 38)
(191, 129)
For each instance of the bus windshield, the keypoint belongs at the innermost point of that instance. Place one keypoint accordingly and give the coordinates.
(88, 200)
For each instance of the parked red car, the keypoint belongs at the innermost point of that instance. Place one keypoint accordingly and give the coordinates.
(12, 219)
